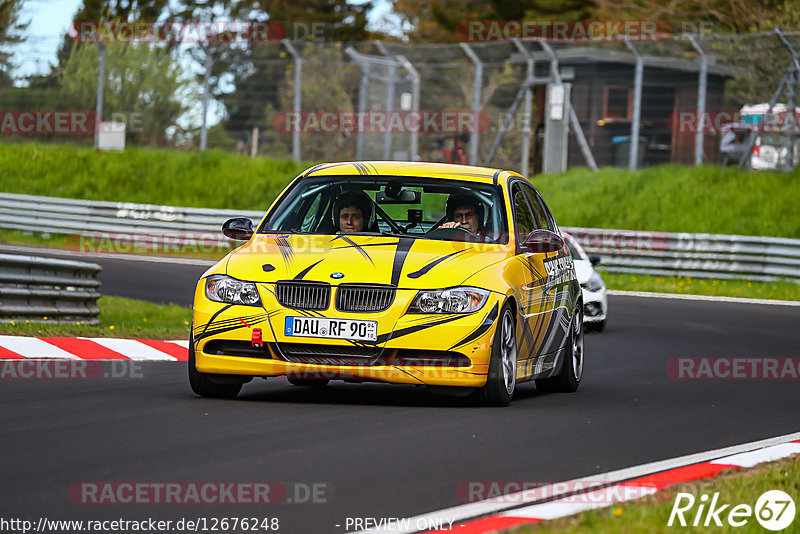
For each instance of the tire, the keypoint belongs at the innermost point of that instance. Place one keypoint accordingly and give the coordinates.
(203, 385)
(313, 382)
(569, 378)
(595, 327)
(502, 376)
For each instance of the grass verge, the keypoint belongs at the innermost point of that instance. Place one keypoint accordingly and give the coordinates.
(734, 486)
(703, 286)
(119, 317)
(211, 179)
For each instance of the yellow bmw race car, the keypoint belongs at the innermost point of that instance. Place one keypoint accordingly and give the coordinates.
(410, 273)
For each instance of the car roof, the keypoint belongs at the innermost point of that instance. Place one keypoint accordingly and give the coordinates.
(446, 171)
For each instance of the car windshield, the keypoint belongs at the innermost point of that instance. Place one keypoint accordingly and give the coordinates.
(414, 207)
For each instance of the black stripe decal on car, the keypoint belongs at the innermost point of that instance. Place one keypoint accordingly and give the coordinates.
(403, 246)
(305, 271)
(358, 247)
(383, 338)
(433, 264)
(488, 321)
(215, 316)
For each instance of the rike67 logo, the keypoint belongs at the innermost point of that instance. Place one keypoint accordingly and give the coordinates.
(774, 510)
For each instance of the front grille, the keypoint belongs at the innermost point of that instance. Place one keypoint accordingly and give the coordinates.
(328, 354)
(351, 355)
(304, 295)
(364, 298)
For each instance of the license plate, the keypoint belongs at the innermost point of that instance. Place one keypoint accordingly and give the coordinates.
(331, 328)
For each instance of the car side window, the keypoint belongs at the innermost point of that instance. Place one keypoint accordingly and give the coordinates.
(523, 219)
(540, 212)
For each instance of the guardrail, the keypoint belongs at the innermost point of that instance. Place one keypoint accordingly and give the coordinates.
(147, 223)
(697, 255)
(656, 253)
(48, 290)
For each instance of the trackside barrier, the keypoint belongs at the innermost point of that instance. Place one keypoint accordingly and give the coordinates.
(146, 223)
(697, 255)
(48, 290)
(625, 251)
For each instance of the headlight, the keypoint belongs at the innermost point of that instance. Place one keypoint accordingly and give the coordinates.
(594, 283)
(221, 288)
(454, 300)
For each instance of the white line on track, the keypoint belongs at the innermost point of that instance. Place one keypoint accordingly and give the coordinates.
(464, 512)
(677, 296)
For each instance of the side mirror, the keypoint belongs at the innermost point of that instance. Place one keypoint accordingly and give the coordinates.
(540, 241)
(595, 259)
(238, 228)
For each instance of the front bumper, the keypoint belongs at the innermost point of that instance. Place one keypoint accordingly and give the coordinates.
(595, 305)
(430, 349)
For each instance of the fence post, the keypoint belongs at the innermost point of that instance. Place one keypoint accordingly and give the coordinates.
(477, 83)
(791, 96)
(702, 85)
(387, 139)
(298, 95)
(573, 117)
(362, 98)
(254, 143)
(101, 80)
(527, 110)
(752, 141)
(206, 89)
(413, 147)
(633, 153)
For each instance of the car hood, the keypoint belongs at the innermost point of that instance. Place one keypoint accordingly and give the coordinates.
(407, 263)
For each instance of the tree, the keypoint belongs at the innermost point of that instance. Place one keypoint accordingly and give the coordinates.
(254, 72)
(10, 33)
(439, 20)
(112, 10)
(326, 86)
(143, 82)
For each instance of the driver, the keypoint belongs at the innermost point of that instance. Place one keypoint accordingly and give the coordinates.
(353, 212)
(464, 211)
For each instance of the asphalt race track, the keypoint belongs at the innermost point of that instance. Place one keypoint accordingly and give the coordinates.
(382, 451)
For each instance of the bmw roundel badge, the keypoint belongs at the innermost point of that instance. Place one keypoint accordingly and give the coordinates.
(337, 276)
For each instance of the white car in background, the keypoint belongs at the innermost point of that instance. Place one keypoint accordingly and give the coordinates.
(595, 302)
